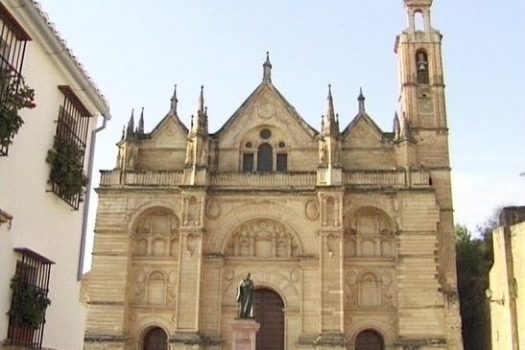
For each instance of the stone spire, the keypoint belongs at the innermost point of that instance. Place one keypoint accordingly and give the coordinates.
(267, 69)
(361, 100)
(396, 127)
(131, 124)
(174, 101)
(140, 127)
(330, 123)
(197, 146)
(199, 122)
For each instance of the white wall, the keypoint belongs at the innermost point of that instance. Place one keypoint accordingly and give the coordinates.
(42, 222)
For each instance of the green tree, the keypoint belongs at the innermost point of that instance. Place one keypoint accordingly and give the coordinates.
(474, 259)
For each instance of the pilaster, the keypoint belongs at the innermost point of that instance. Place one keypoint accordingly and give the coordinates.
(331, 287)
(192, 233)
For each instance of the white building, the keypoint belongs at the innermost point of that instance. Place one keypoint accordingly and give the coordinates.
(506, 295)
(42, 223)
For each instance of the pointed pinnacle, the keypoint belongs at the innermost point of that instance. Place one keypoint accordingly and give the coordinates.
(361, 99)
(267, 69)
(131, 124)
(201, 100)
(141, 122)
(330, 114)
(174, 100)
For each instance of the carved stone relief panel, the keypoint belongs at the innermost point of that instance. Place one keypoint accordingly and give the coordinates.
(154, 287)
(370, 288)
(156, 234)
(369, 234)
(262, 238)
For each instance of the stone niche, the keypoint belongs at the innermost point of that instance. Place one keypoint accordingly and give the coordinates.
(369, 233)
(156, 234)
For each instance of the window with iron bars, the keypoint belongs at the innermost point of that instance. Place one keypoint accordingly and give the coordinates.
(29, 302)
(13, 40)
(67, 178)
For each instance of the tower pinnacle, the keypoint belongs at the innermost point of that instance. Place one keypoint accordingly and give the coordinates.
(330, 124)
(200, 107)
(267, 69)
(199, 121)
(140, 127)
(174, 101)
(361, 99)
(131, 124)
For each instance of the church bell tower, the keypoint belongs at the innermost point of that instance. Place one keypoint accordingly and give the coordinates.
(423, 111)
(421, 69)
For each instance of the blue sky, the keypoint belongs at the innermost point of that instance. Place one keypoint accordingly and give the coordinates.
(136, 51)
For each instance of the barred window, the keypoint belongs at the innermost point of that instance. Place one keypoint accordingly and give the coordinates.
(29, 301)
(67, 178)
(13, 41)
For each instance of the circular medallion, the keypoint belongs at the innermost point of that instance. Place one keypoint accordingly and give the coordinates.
(212, 209)
(312, 210)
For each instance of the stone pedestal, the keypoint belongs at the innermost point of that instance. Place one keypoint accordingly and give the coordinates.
(244, 332)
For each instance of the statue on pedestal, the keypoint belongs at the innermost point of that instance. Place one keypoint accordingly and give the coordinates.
(245, 298)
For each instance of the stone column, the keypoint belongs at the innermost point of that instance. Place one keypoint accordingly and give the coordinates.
(244, 332)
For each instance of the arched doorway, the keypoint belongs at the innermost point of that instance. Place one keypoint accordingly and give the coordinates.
(156, 339)
(369, 340)
(268, 312)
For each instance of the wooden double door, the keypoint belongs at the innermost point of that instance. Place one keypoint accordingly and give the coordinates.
(269, 313)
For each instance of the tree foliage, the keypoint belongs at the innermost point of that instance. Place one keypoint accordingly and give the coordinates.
(474, 259)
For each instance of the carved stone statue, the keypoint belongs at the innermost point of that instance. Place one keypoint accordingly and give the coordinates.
(245, 297)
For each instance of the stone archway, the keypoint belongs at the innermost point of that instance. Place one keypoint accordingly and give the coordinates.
(269, 313)
(155, 339)
(369, 340)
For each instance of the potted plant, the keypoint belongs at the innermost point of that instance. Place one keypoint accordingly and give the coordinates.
(28, 309)
(14, 95)
(67, 170)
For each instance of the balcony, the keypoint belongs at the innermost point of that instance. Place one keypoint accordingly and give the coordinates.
(396, 179)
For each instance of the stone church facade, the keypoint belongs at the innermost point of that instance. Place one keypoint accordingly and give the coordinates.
(347, 231)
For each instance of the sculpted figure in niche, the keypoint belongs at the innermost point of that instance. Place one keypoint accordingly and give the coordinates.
(189, 154)
(245, 297)
(322, 153)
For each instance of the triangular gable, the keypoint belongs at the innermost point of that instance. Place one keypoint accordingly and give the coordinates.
(267, 88)
(170, 131)
(362, 130)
